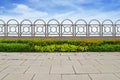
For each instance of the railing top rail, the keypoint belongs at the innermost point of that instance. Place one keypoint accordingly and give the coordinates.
(63, 22)
(94, 20)
(26, 20)
(2, 21)
(39, 20)
(55, 20)
(80, 20)
(107, 20)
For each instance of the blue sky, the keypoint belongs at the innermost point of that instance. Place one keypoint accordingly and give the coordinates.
(60, 9)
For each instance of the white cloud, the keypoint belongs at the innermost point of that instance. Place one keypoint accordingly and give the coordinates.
(88, 15)
(28, 12)
(24, 12)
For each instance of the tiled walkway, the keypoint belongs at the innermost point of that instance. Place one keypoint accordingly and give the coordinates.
(60, 66)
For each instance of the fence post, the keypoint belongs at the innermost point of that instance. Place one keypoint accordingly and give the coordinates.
(32, 30)
(59, 30)
(114, 29)
(6, 30)
(87, 30)
(101, 30)
(73, 32)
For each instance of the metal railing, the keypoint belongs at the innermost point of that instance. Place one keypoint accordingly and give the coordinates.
(55, 28)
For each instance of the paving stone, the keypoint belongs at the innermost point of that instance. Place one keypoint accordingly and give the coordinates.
(84, 62)
(44, 57)
(19, 77)
(107, 62)
(118, 75)
(46, 77)
(68, 54)
(77, 57)
(14, 62)
(69, 62)
(94, 63)
(39, 69)
(61, 58)
(32, 62)
(85, 69)
(53, 54)
(50, 62)
(108, 69)
(3, 61)
(2, 75)
(16, 69)
(12, 56)
(72, 66)
(62, 70)
(75, 77)
(29, 57)
(103, 77)
(2, 67)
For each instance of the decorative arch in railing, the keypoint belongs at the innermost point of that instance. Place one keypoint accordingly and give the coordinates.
(67, 28)
(117, 28)
(53, 28)
(80, 27)
(2, 28)
(26, 28)
(39, 27)
(12, 27)
(94, 27)
(107, 27)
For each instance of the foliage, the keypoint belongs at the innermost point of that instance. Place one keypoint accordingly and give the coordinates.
(52, 45)
(105, 48)
(15, 47)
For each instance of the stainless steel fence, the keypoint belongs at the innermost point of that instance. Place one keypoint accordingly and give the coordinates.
(53, 27)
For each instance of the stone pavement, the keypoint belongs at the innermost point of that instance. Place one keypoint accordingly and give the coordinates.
(60, 66)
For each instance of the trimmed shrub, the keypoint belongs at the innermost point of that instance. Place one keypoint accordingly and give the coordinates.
(105, 48)
(14, 47)
(51, 45)
(60, 48)
(83, 48)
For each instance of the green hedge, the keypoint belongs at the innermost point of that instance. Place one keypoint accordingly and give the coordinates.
(60, 48)
(50, 45)
(105, 48)
(15, 47)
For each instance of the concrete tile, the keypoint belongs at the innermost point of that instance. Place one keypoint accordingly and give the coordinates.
(85, 69)
(44, 57)
(2, 67)
(108, 69)
(19, 77)
(3, 61)
(62, 70)
(103, 77)
(32, 62)
(75, 77)
(60, 63)
(39, 69)
(117, 74)
(16, 69)
(69, 62)
(84, 62)
(61, 58)
(51, 62)
(14, 62)
(77, 57)
(47, 77)
(2, 75)
(106, 62)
